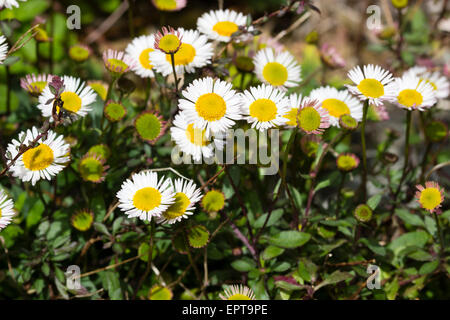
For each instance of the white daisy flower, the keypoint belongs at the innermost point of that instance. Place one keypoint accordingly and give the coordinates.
(186, 196)
(3, 48)
(237, 292)
(371, 83)
(45, 160)
(145, 196)
(264, 107)
(33, 84)
(210, 104)
(413, 93)
(277, 69)
(6, 210)
(221, 24)
(77, 98)
(9, 3)
(192, 140)
(195, 52)
(338, 103)
(440, 84)
(139, 50)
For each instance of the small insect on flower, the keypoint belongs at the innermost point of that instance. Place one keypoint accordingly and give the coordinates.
(213, 201)
(338, 103)
(194, 51)
(9, 3)
(412, 93)
(264, 107)
(92, 168)
(82, 220)
(280, 70)
(169, 5)
(34, 85)
(43, 161)
(117, 62)
(6, 210)
(80, 52)
(100, 87)
(295, 101)
(3, 47)
(145, 195)
(440, 83)
(210, 104)
(430, 197)
(237, 292)
(193, 141)
(312, 118)
(347, 162)
(77, 98)
(139, 50)
(114, 111)
(150, 126)
(372, 82)
(186, 196)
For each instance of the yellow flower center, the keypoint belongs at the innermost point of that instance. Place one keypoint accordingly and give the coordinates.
(147, 199)
(309, 119)
(38, 158)
(371, 88)
(275, 73)
(263, 110)
(238, 296)
(178, 208)
(225, 28)
(430, 198)
(166, 4)
(335, 107)
(169, 43)
(40, 85)
(410, 98)
(292, 116)
(196, 136)
(211, 107)
(116, 65)
(0, 212)
(346, 162)
(144, 58)
(183, 56)
(72, 101)
(91, 169)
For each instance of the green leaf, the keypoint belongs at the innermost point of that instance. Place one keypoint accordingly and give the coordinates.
(410, 239)
(290, 239)
(243, 265)
(100, 227)
(372, 245)
(274, 217)
(321, 185)
(429, 267)
(35, 214)
(374, 201)
(391, 289)
(420, 255)
(409, 218)
(271, 252)
(111, 282)
(430, 224)
(334, 278)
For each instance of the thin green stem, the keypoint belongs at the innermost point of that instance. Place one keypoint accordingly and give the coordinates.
(441, 236)
(108, 95)
(149, 259)
(172, 59)
(338, 198)
(363, 144)
(148, 92)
